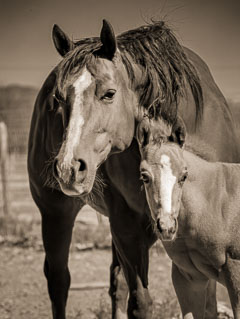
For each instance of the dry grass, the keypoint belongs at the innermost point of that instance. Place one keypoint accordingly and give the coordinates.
(16, 231)
(99, 235)
(103, 311)
(26, 232)
(168, 309)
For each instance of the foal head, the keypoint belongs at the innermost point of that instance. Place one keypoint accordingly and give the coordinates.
(163, 171)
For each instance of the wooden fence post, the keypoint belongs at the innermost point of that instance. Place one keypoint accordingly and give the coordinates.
(4, 159)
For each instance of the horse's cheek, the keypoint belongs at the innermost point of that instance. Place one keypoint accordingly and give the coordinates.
(58, 131)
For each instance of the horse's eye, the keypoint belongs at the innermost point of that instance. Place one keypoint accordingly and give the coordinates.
(109, 95)
(57, 97)
(145, 177)
(57, 100)
(54, 104)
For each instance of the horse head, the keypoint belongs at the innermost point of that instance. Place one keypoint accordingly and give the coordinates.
(96, 103)
(163, 171)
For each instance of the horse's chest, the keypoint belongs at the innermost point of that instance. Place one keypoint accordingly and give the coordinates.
(123, 172)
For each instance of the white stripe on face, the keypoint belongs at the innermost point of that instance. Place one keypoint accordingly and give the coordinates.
(167, 183)
(76, 122)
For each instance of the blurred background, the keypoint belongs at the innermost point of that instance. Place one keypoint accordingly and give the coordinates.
(210, 28)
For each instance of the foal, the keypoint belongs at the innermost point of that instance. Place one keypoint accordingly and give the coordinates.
(195, 208)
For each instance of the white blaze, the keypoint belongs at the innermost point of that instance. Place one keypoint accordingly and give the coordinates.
(76, 122)
(167, 183)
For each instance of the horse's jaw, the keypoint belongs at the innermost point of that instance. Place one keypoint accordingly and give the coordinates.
(74, 190)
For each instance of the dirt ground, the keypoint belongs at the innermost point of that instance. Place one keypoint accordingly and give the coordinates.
(23, 291)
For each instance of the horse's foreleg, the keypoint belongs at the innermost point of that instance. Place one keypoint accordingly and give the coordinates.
(129, 231)
(231, 271)
(133, 256)
(118, 288)
(191, 293)
(57, 233)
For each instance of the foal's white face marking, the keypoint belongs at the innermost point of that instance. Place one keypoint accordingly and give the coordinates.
(167, 183)
(74, 129)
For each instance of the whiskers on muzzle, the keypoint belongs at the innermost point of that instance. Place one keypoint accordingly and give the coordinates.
(47, 174)
(50, 181)
(97, 191)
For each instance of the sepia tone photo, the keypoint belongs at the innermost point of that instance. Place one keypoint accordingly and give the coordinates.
(120, 159)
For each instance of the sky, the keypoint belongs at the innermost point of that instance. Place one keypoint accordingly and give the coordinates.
(209, 27)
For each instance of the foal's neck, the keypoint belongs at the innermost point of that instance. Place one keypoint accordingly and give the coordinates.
(203, 178)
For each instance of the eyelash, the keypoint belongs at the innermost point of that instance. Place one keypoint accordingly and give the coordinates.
(109, 95)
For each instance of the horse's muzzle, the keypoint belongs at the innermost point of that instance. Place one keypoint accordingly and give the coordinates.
(167, 228)
(70, 176)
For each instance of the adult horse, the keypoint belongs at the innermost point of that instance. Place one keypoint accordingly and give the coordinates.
(87, 110)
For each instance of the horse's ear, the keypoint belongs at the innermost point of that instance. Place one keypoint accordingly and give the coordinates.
(179, 132)
(143, 133)
(61, 41)
(108, 39)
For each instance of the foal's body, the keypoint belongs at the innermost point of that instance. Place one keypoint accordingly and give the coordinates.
(208, 236)
(195, 204)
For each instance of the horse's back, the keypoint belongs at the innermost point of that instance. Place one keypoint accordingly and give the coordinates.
(217, 127)
(209, 86)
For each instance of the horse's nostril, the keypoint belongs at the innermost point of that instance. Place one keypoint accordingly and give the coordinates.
(159, 226)
(82, 166)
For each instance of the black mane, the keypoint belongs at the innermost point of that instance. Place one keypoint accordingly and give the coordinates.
(157, 51)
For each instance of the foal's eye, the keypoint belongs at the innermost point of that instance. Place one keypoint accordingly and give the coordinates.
(183, 178)
(145, 177)
(109, 95)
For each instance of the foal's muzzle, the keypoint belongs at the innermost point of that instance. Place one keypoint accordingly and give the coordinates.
(167, 228)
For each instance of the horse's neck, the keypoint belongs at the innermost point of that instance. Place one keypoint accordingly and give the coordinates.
(209, 184)
(202, 170)
(198, 167)
(204, 179)
(139, 77)
(210, 195)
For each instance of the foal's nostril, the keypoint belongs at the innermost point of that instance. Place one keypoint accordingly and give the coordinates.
(82, 166)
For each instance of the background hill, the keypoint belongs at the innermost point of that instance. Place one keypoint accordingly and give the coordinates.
(16, 106)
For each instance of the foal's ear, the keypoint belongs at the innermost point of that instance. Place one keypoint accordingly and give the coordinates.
(61, 41)
(108, 40)
(179, 132)
(143, 134)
